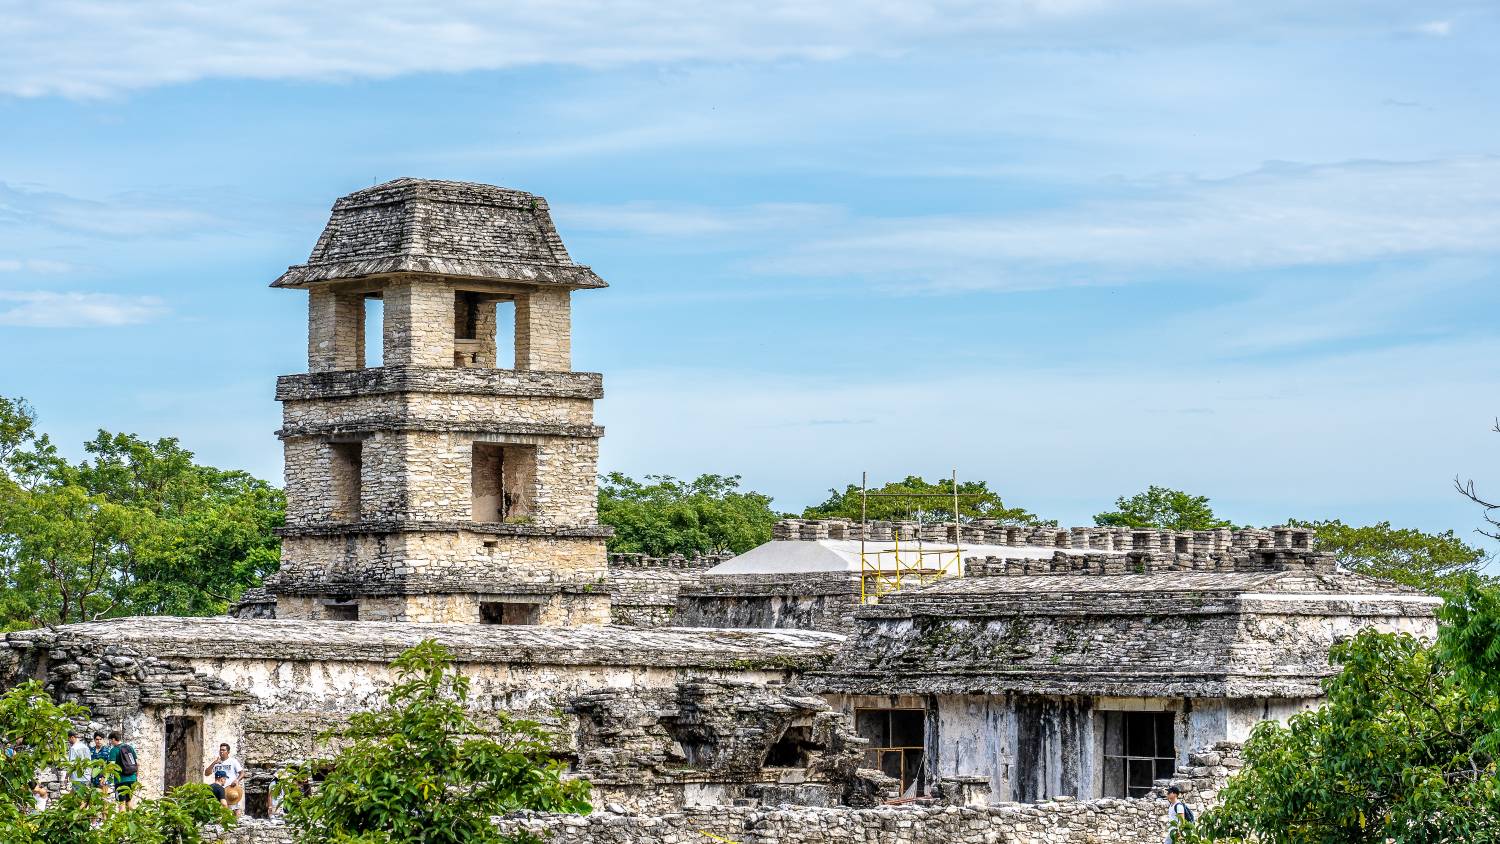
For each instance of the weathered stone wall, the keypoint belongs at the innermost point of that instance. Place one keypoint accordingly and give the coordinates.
(643, 590)
(426, 476)
(806, 601)
(269, 687)
(1064, 822)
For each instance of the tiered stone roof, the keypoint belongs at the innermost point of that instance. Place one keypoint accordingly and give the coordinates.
(444, 228)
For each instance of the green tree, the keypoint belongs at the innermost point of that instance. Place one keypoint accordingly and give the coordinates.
(1162, 508)
(37, 729)
(422, 771)
(1434, 562)
(915, 499)
(1404, 748)
(663, 515)
(135, 527)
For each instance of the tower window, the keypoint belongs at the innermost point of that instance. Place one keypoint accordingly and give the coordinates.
(483, 325)
(345, 470)
(342, 611)
(503, 476)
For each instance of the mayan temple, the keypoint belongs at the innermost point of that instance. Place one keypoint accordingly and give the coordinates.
(454, 482)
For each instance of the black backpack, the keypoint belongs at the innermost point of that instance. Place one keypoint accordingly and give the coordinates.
(128, 764)
(1187, 813)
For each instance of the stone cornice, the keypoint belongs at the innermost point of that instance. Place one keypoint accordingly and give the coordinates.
(363, 425)
(414, 526)
(425, 379)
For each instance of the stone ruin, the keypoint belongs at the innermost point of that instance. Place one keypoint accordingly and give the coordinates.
(1040, 692)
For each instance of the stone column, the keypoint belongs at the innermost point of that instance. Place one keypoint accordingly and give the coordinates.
(543, 330)
(419, 323)
(335, 330)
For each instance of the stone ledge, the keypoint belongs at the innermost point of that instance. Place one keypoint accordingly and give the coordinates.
(427, 379)
(402, 423)
(415, 526)
(381, 641)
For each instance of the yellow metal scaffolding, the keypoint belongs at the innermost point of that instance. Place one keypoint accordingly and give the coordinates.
(884, 570)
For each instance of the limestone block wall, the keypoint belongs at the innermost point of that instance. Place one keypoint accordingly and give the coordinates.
(1061, 822)
(436, 561)
(437, 412)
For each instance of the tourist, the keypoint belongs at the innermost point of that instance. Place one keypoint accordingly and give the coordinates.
(233, 772)
(38, 797)
(78, 760)
(220, 780)
(1177, 813)
(98, 753)
(123, 757)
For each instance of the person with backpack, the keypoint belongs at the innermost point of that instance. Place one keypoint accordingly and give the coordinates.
(123, 756)
(1178, 813)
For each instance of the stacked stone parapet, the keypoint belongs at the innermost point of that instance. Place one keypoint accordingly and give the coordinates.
(1151, 562)
(995, 532)
(699, 562)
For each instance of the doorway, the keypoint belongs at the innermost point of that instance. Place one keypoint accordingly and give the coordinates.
(184, 751)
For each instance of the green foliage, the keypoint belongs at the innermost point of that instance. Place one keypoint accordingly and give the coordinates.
(666, 516)
(1161, 508)
(1434, 562)
(38, 728)
(136, 528)
(915, 499)
(422, 771)
(1403, 750)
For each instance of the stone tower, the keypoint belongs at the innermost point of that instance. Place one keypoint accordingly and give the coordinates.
(446, 484)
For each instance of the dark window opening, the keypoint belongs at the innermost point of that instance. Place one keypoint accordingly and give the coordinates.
(897, 744)
(793, 750)
(1139, 749)
(341, 612)
(257, 799)
(505, 612)
(501, 482)
(347, 465)
(184, 746)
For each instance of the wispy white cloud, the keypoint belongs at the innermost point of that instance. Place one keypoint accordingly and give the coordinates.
(33, 265)
(1282, 215)
(123, 216)
(97, 47)
(50, 309)
(1439, 28)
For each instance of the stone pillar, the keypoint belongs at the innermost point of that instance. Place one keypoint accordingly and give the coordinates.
(335, 330)
(419, 323)
(543, 330)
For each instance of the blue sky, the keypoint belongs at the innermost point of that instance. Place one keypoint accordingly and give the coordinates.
(1072, 247)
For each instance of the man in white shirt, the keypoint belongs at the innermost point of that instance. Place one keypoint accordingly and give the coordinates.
(233, 771)
(78, 752)
(1177, 812)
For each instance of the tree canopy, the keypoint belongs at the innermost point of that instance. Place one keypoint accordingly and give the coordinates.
(137, 527)
(1434, 562)
(664, 515)
(916, 499)
(1403, 749)
(421, 770)
(36, 729)
(1162, 508)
